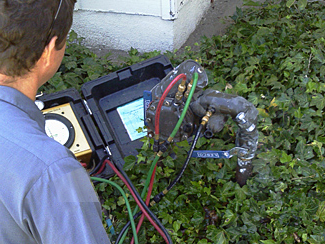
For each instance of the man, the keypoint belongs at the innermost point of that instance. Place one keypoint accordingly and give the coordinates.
(45, 196)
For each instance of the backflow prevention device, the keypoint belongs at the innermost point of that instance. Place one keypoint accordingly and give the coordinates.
(222, 106)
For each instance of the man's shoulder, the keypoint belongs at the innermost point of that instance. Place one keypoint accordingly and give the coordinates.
(32, 145)
(25, 157)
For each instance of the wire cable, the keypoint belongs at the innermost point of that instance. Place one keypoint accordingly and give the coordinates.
(135, 236)
(98, 166)
(144, 190)
(147, 201)
(101, 169)
(160, 195)
(144, 208)
(189, 155)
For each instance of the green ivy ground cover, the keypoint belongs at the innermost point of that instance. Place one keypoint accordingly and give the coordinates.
(274, 56)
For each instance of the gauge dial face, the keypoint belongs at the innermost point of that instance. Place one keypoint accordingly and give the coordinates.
(59, 128)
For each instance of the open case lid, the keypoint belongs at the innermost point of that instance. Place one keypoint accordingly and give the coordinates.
(116, 104)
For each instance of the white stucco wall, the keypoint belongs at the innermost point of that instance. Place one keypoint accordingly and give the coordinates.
(142, 24)
(142, 7)
(189, 15)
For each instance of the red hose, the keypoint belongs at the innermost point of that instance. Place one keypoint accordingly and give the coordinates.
(161, 101)
(102, 167)
(147, 200)
(137, 200)
(83, 165)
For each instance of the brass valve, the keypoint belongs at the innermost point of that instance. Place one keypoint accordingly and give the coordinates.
(206, 117)
(181, 89)
(189, 87)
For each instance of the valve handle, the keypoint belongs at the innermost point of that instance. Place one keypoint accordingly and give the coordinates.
(236, 151)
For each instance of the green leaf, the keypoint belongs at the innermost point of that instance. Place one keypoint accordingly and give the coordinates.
(302, 4)
(268, 242)
(285, 158)
(321, 212)
(251, 3)
(318, 100)
(318, 55)
(221, 238)
(166, 218)
(202, 141)
(102, 186)
(203, 241)
(71, 65)
(198, 218)
(216, 235)
(129, 162)
(169, 162)
(212, 166)
(241, 192)
(253, 98)
(207, 190)
(298, 114)
(229, 218)
(227, 189)
(290, 3)
(177, 225)
(316, 239)
(121, 201)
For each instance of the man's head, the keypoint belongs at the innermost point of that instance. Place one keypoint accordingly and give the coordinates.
(27, 27)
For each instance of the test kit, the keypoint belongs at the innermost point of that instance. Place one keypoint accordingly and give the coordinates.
(106, 118)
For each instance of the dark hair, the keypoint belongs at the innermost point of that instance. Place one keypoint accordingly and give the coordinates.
(24, 31)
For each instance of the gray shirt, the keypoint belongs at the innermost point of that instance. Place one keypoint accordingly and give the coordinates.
(45, 195)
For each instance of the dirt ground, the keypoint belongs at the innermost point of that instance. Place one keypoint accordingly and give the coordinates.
(215, 22)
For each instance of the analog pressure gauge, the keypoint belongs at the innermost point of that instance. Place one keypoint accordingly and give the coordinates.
(60, 129)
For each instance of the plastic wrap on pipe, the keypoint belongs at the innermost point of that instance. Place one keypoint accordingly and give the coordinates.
(188, 67)
(243, 113)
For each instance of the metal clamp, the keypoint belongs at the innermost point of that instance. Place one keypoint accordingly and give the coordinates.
(236, 151)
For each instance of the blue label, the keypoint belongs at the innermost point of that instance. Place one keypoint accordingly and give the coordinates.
(147, 98)
(211, 154)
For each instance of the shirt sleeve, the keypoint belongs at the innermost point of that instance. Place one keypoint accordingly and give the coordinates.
(63, 207)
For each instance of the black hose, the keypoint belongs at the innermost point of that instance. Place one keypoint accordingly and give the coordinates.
(152, 215)
(160, 195)
(119, 237)
(189, 155)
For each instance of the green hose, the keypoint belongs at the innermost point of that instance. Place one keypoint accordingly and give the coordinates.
(146, 185)
(126, 202)
(187, 104)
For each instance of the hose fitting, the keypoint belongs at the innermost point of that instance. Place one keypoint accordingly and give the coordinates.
(206, 118)
(155, 146)
(181, 89)
(158, 197)
(208, 134)
(189, 87)
(164, 146)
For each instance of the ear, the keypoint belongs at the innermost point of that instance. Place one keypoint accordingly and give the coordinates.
(48, 52)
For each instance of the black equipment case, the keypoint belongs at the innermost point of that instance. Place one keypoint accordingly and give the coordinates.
(98, 111)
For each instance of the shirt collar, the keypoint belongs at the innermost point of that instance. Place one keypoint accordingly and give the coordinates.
(21, 101)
